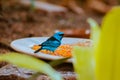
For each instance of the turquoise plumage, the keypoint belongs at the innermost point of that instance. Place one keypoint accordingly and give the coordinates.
(51, 43)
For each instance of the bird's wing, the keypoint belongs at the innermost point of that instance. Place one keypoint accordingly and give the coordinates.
(51, 44)
(49, 41)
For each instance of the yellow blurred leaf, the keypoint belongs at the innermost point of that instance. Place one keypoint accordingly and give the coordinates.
(108, 50)
(95, 31)
(83, 63)
(32, 63)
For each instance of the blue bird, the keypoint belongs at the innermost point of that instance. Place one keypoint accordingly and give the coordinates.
(51, 43)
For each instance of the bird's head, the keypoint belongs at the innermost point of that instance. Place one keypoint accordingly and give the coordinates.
(58, 35)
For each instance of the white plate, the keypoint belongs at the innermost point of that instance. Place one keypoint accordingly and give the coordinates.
(24, 45)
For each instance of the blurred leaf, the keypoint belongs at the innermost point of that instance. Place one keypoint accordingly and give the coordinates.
(95, 31)
(84, 57)
(32, 63)
(108, 49)
(58, 62)
(83, 63)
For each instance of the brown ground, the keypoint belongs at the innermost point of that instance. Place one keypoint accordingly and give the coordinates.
(18, 21)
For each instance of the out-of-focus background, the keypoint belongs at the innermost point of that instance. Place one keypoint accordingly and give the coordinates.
(37, 18)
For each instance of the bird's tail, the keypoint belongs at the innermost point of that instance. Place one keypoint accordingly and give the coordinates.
(38, 50)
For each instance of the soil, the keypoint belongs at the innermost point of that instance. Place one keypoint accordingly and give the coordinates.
(19, 21)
